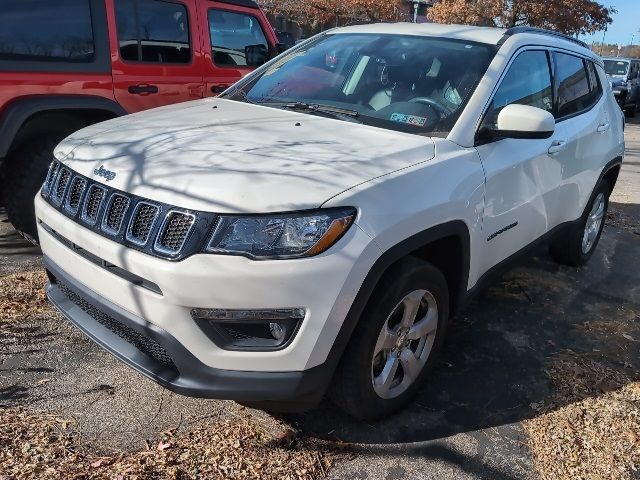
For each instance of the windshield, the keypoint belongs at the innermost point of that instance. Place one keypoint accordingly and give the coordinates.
(406, 83)
(616, 67)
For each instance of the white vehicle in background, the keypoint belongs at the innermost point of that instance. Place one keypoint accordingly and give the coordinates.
(314, 228)
(624, 76)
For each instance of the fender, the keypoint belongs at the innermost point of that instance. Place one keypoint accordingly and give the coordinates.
(17, 113)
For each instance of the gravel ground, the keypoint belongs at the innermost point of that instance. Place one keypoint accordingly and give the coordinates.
(468, 420)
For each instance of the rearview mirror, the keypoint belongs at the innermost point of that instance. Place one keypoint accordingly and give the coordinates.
(523, 122)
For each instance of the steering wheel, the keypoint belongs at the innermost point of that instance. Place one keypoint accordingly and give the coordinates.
(441, 110)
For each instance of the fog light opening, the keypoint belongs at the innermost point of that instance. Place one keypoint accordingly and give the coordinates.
(258, 330)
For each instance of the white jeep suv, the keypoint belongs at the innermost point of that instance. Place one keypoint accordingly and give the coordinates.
(313, 229)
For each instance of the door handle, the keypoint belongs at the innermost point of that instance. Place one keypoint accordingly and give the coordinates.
(557, 146)
(143, 89)
(603, 127)
(219, 88)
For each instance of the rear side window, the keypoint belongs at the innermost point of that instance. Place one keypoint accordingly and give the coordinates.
(43, 30)
(153, 31)
(595, 87)
(574, 94)
(527, 82)
(237, 39)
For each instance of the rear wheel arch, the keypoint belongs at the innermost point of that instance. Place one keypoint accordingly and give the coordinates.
(24, 118)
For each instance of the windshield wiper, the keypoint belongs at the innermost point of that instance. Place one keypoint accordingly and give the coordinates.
(313, 107)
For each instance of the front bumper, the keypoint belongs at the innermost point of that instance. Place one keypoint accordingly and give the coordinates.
(325, 286)
(159, 356)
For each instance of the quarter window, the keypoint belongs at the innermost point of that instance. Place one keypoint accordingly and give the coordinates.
(46, 31)
(574, 94)
(153, 31)
(527, 82)
(237, 39)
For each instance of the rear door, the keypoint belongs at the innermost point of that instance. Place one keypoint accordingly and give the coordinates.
(156, 51)
(238, 38)
(589, 136)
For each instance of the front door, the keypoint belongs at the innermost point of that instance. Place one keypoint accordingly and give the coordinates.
(157, 53)
(239, 39)
(519, 173)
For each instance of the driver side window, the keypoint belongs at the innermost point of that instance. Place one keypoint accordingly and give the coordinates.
(527, 82)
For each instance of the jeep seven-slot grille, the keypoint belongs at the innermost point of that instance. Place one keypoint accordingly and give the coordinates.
(114, 217)
(146, 345)
(142, 223)
(152, 227)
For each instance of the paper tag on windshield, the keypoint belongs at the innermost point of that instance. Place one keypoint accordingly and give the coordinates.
(409, 119)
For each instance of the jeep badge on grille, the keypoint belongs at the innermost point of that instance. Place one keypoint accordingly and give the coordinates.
(104, 173)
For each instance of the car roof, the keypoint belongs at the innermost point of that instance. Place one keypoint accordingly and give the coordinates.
(487, 35)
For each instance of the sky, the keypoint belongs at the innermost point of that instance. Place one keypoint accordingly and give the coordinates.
(625, 23)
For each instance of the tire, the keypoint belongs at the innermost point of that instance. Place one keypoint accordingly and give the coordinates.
(364, 363)
(26, 169)
(575, 246)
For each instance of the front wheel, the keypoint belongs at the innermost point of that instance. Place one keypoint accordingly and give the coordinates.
(395, 343)
(577, 245)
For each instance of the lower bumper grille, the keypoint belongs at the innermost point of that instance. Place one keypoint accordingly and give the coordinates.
(146, 345)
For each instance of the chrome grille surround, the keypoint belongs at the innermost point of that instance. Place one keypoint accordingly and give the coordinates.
(174, 232)
(74, 197)
(114, 215)
(92, 204)
(142, 222)
(128, 219)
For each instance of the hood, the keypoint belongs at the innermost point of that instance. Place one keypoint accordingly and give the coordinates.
(230, 157)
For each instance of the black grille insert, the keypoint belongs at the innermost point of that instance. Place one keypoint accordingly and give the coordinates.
(142, 222)
(92, 204)
(146, 345)
(115, 213)
(175, 231)
(75, 193)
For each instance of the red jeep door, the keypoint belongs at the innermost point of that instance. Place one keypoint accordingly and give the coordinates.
(230, 29)
(156, 52)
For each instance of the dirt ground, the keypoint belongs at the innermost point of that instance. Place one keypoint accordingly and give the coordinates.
(505, 365)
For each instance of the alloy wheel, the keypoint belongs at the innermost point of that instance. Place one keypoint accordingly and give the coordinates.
(404, 344)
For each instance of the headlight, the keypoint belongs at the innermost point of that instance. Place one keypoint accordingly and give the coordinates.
(290, 235)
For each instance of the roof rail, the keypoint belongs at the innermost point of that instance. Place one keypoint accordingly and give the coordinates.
(540, 31)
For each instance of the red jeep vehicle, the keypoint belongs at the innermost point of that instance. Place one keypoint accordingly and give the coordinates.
(70, 63)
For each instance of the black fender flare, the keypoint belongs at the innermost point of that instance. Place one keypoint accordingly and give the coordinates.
(19, 111)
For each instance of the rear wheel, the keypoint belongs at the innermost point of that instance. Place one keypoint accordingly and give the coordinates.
(26, 169)
(576, 246)
(395, 343)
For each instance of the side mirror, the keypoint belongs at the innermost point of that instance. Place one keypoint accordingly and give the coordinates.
(256, 55)
(523, 122)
